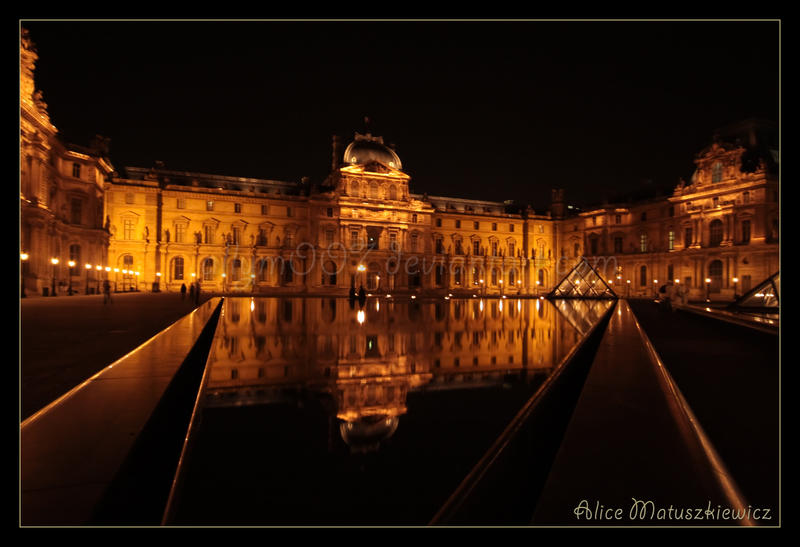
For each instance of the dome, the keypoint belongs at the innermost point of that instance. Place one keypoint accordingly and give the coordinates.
(366, 433)
(366, 149)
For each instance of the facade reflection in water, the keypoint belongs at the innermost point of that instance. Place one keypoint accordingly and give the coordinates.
(365, 358)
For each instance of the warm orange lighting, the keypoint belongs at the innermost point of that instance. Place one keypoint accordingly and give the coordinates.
(223, 275)
(360, 316)
(655, 280)
(98, 267)
(193, 274)
(708, 280)
(116, 270)
(677, 281)
(108, 268)
(361, 268)
(88, 266)
(158, 274)
(735, 279)
(126, 271)
(629, 281)
(54, 261)
(23, 256)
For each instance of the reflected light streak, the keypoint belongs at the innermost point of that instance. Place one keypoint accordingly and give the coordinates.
(360, 317)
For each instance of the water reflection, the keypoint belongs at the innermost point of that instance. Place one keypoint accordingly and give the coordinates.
(365, 359)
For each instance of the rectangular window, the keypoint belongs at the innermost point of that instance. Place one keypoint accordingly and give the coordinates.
(745, 231)
(476, 248)
(262, 239)
(510, 227)
(208, 234)
(393, 241)
(511, 248)
(329, 234)
(671, 241)
(237, 235)
(671, 211)
(354, 239)
(76, 210)
(181, 203)
(127, 229)
(414, 242)
(643, 243)
(209, 205)
(414, 218)
(289, 212)
(180, 233)
(237, 207)
(617, 219)
(129, 198)
(594, 221)
(265, 209)
(438, 223)
(476, 225)
(458, 224)
(494, 248)
(687, 238)
(439, 246)
(644, 216)
(541, 228)
(459, 250)
(618, 245)
(76, 170)
(329, 211)
(494, 226)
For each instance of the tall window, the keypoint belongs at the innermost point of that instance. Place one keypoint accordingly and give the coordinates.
(494, 226)
(76, 210)
(439, 245)
(129, 198)
(746, 197)
(459, 249)
(439, 275)
(127, 228)
(687, 237)
(512, 278)
(237, 235)
(745, 231)
(511, 248)
(438, 223)
(236, 269)
(414, 242)
(329, 237)
(476, 275)
(76, 170)
(476, 247)
(354, 239)
(643, 276)
(494, 248)
(181, 204)
(208, 234)
(671, 241)
(208, 269)
(510, 227)
(670, 272)
(716, 172)
(715, 233)
(209, 205)
(374, 190)
(75, 253)
(576, 250)
(177, 268)
(715, 273)
(289, 212)
(617, 219)
(643, 243)
(180, 233)
(476, 225)
(392, 192)
(494, 276)
(593, 245)
(618, 245)
(237, 207)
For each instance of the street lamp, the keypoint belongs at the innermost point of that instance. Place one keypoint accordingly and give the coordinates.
(708, 289)
(54, 262)
(88, 269)
(628, 289)
(24, 258)
(116, 278)
(71, 264)
(655, 287)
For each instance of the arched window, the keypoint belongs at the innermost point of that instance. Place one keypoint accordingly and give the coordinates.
(715, 273)
(208, 269)
(643, 276)
(236, 269)
(354, 188)
(512, 278)
(374, 190)
(128, 276)
(715, 233)
(393, 192)
(177, 268)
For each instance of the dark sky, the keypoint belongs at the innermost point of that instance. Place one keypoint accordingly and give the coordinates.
(492, 110)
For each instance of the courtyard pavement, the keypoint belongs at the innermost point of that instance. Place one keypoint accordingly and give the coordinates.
(64, 340)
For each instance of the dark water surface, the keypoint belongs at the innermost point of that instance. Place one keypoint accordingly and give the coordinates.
(318, 411)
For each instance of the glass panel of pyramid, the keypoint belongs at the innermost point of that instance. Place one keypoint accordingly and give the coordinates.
(765, 295)
(582, 281)
(582, 314)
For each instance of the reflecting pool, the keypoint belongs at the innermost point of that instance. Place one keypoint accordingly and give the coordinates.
(323, 411)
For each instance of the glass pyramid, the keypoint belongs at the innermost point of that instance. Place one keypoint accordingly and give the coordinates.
(766, 296)
(583, 314)
(582, 282)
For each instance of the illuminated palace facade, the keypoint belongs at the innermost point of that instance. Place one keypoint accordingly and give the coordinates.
(157, 229)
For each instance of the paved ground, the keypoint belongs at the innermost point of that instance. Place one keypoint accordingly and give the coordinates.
(729, 375)
(65, 340)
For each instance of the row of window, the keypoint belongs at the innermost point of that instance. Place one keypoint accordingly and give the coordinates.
(477, 225)
(477, 250)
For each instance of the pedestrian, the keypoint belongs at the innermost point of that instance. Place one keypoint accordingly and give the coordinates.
(106, 291)
(183, 291)
(191, 292)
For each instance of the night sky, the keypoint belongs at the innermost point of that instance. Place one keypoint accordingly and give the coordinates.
(484, 110)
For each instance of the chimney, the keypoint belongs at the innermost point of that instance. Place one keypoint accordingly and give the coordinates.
(557, 202)
(337, 153)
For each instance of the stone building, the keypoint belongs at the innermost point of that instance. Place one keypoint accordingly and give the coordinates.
(151, 228)
(61, 198)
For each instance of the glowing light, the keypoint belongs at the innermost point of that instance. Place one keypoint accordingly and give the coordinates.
(538, 283)
(223, 275)
(413, 297)
(360, 317)
(252, 304)
(501, 305)
(88, 266)
(388, 296)
(610, 281)
(108, 268)
(708, 280)
(629, 281)
(447, 298)
(708, 309)
(98, 267)
(54, 261)
(655, 280)
(677, 281)
(377, 305)
(193, 274)
(735, 279)
(361, 268)
(137, 273)
(481, 280)
(252, 276)
(519, 305)
(537, 305)
(504, 296)
(501, 281)
(126, 271)
(480, 305)
(71, 263)
(23, 256)
(116, 270)
(369, 294)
